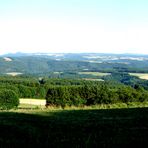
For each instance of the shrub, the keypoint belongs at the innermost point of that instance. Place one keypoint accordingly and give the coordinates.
(8, 99)
(58, 96)
(127, 94)
(26, 91)
(93, 95)
(10, 87)
(75, 98)
(40, 92)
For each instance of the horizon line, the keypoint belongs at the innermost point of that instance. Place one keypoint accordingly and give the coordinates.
(19, 52)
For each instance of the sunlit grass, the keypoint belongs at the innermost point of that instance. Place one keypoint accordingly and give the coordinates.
(29, 108)
(95, 73)
(140, 75)
(40, 102)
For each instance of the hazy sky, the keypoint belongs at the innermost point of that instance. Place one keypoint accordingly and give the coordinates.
(114, 26)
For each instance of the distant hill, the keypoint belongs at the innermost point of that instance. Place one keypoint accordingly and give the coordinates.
(45, 63)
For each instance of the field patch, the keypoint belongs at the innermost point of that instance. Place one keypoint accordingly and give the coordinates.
(140, 75)
(94, 73)
(14, 73)
(91, 79)
(7, 59)
(40, 102)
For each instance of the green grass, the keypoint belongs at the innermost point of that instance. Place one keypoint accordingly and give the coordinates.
(34, 127)
(101, 106)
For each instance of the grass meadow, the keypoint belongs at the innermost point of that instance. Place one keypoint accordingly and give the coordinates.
(140, 75)
(104, 126)
(94, 73)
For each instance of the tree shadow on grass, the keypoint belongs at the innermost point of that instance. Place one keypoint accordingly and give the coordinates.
(75, 128)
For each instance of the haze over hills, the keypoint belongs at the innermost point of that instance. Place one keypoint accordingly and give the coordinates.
(15, 54)
(45, 63)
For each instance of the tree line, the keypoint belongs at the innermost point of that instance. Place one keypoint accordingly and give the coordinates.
(62, 92)
(93, 95)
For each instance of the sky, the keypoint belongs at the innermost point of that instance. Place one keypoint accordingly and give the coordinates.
(69, 26)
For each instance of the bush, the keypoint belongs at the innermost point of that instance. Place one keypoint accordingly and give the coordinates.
(8, 99)
(75, 98)
(89, 94)
(58, 96)
(127, 94)
(40, 92)
(26, 91)
(10, 87)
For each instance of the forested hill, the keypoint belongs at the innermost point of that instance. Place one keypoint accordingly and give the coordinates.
(43, 64)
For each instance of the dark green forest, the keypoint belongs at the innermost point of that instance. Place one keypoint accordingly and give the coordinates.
(77, 92)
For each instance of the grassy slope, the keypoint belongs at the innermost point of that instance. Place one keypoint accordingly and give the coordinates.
(74, 128)
(140, 75)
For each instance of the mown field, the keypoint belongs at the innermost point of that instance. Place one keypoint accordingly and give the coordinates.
(140, 75)
(39, 102)
(40, 127)
(94, 73)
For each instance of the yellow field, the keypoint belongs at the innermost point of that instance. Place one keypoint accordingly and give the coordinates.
(90, 79)
(140, 75)
(39, 102)
(13, 73)
(94, 73)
